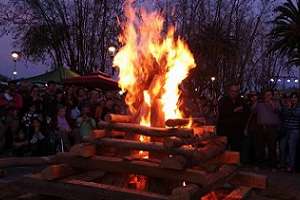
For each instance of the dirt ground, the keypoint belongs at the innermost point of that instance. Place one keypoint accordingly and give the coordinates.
(281, 186)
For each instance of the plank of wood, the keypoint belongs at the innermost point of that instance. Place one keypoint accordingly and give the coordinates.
(87, 176)
(184, 121)
(96, 134)
(148, 131)
(79, 190)
(54, 172)
(85, 150)
(188, 192)
(250, 179)
(239, 193)
(25, 161)
(173, 162)
(213, 148)
(118, 118)
(118, 165)
(228, 157)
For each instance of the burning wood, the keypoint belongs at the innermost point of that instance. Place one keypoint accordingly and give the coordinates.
(148, 131)
(184, 122)
(211, 149)
(118, 118)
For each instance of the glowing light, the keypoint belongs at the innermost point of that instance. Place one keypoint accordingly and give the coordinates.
(15, 55)
(272, 80)
(183, 184)
(15, 73)
(296, 81)
(213, 78)
(279, 80)
(288, 80)
(112, 50)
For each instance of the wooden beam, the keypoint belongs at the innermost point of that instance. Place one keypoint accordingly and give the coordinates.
(118, 118)
(250, 179)
(118, 165)
(239, 193)
(53, 172)
(25, 161)
(188, 192)
(85, 150)
(184, 121)
(148, 131)
(210, 150)
(87, 176)
(228, 157)
(79, 190)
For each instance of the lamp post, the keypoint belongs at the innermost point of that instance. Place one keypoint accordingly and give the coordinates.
(112, 51)
(15, 56)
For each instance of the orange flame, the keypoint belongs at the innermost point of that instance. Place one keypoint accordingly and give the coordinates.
(148, 53)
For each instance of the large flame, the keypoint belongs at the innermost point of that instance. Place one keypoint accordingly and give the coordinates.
(152, 63)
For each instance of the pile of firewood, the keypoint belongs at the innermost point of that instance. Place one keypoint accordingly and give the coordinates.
(183, 164)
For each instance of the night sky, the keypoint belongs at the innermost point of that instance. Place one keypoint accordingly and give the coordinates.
(24, 69)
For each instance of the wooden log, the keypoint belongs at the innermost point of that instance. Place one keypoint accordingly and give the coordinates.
(87, 176)
(188, 192)
(84, 150)
(148, 131)
(172, 142)
(185, 121)
(118, 165)
(118, 118)
(210, 150)
(96, 134)
(250, 179)
(25, 161)
(228, 157)
(78, 190)
(174, 162)
(53, 172)
(239, 193)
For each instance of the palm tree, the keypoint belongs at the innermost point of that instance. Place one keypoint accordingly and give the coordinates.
(286, 31)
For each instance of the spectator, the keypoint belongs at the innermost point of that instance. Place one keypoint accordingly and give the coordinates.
(268, 121)
(86, 123)
(291, 125)
(49, 101)
(232, 117)
(38, 143)
(63, 127)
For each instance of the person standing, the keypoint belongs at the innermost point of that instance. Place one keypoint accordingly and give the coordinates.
(290, 116)
(267, 112)
(232, 117)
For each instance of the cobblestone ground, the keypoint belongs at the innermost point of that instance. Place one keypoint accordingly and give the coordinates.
(282, 186)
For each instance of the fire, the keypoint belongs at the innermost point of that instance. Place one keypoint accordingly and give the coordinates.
(152, 64)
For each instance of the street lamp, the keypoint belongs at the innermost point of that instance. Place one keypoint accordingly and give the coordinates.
(15, 56)
(112, 50)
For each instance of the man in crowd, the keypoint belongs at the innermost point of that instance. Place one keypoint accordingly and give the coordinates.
(232, 117)
(267, 112)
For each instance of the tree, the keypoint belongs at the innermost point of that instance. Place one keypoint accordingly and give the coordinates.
(72, 33)
(286, 31)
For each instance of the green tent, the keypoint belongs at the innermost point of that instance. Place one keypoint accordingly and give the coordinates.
(58, 75)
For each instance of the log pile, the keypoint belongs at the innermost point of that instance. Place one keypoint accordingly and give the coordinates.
(190, 166)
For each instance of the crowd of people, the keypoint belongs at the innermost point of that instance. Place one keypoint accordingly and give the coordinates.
(38, 121)
(264, 127)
